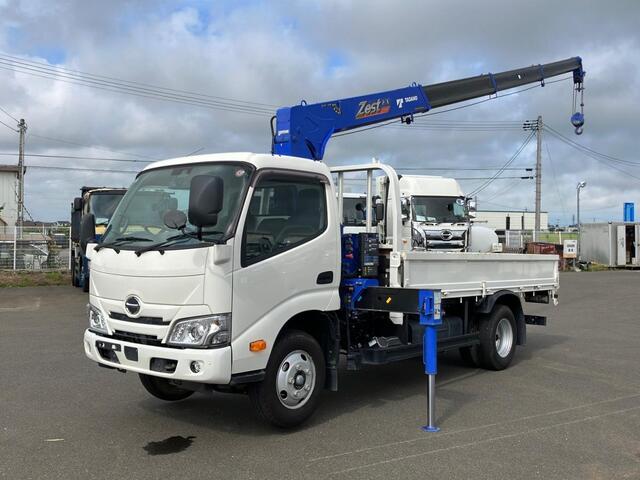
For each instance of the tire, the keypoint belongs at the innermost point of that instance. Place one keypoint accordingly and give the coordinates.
(469, 355)
(74, 272)
(162, 389)
(84, 276)
(296, 366)
(497, 338)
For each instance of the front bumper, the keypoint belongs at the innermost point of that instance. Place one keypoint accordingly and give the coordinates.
(216, 363)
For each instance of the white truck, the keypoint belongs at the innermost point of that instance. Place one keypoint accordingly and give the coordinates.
(226, 272)
(436, 215)
(231, 271)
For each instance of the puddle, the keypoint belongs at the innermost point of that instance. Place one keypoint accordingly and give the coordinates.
(169, 445)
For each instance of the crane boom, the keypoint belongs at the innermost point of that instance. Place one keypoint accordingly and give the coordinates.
(304, 130)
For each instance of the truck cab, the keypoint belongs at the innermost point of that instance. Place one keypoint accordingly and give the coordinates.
(100, 202)
(435, 214)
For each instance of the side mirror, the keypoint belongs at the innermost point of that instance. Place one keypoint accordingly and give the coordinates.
(405, 208)
(87, 230)
(379, 210)
(205, 200)
(471, 208)
(77, 204)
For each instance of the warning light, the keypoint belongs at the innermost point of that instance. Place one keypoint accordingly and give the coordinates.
(257, 346)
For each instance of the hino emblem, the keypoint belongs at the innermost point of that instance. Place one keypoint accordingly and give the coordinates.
(132, 306)
(446, 235)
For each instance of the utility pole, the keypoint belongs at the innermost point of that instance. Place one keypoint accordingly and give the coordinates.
(537, 127)
(22, 128)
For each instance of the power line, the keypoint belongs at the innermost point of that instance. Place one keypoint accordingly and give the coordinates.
(508, 207)
(17, 59)
(590, 155)
(508, 163)
(9, 115)
(503, 191)
(528, 169)
(69, 142)
(72, 157)
(132, 88)
(55, 167)
(587, 149)
(462, 128)
(555, 180)
(9, 127)
(457, 178)
(31, 65)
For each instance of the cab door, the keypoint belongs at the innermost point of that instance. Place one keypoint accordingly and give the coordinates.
(287, 261)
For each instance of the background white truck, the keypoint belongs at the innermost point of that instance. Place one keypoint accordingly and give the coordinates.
(436, 215)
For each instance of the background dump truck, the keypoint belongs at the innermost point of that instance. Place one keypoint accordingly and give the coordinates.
(232, 272)
(101, 202)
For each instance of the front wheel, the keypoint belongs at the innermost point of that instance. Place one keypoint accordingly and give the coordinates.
(497, 338)
(162, 389)
(295, 375)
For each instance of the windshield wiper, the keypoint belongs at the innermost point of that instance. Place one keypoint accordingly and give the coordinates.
(172, 240)
(119, 241)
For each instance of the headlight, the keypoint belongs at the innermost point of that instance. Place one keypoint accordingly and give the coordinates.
(96, 320)
(210, 331)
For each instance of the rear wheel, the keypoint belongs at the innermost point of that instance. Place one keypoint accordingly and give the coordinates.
(295, 375)
(164, 390)
(497, 338)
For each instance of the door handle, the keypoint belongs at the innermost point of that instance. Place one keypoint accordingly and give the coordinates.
(324, 278)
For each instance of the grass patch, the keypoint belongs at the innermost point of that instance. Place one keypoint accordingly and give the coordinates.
(554, 237)
(598, 267)
(10, 278)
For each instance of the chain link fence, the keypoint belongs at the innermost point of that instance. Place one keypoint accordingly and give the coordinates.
(35, 248)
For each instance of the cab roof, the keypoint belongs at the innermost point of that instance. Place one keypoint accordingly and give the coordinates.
(259, 160)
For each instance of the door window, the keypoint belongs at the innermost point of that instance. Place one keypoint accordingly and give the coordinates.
(284, 212)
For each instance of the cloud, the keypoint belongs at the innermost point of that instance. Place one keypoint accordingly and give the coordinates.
(279, 53)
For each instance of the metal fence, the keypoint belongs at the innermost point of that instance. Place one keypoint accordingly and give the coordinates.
(35, 248)
(517, 240)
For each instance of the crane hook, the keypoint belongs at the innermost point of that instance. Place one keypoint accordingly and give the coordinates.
(577, 120)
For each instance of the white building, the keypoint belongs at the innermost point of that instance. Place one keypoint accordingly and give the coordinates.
(8, 195)
(511, 220)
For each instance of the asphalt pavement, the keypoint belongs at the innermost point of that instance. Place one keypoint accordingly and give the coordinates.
(567, 408)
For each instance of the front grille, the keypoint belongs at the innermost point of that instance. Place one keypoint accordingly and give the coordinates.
(137, 338)
(147, 320)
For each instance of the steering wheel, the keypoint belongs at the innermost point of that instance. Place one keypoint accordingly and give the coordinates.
(265, 245)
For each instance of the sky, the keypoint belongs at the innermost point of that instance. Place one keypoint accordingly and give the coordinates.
(278, 53)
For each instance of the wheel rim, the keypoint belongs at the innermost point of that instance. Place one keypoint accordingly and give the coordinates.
(504, 337)
(296, 379)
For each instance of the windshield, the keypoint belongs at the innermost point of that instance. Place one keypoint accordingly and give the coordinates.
(438, 209)
(102, 205)
(355, 217)
(139, 217)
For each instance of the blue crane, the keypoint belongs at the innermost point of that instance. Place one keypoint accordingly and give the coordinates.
(304, 130)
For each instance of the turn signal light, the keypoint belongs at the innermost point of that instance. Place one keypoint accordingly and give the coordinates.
(257, 346)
